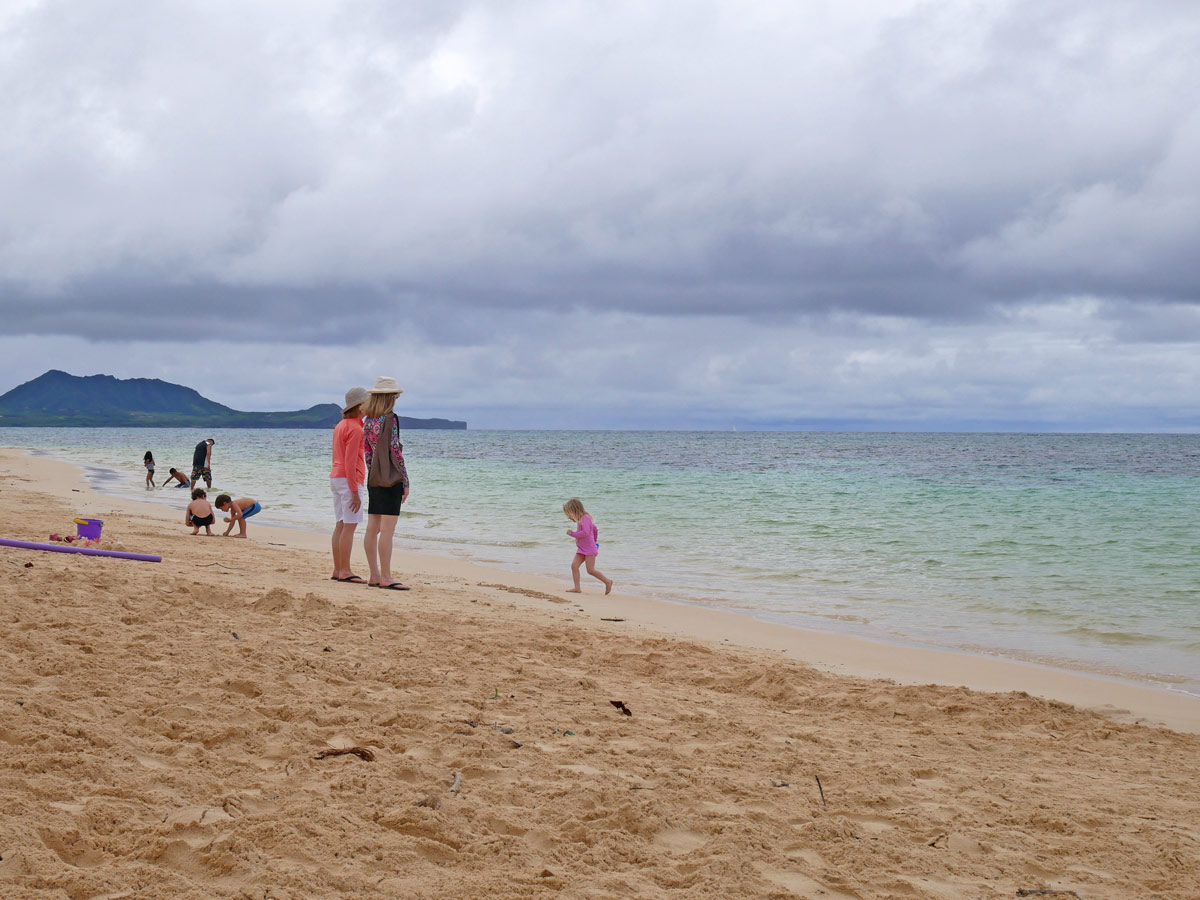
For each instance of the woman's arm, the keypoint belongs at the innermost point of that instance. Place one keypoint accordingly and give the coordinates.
(351, 454)
(370, 434)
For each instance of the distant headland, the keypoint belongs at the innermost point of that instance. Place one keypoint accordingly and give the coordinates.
(59, 399)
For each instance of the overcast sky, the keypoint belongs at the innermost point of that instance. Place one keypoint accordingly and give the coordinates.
(654, 214)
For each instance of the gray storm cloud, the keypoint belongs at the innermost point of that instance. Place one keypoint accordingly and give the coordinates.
(923, 160)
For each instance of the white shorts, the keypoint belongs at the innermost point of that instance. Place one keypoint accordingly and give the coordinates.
(341, 501)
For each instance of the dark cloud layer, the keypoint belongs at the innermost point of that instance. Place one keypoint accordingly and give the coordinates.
(473, 174)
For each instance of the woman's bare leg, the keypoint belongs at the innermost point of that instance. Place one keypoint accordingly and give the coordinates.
(335, 546)
(387, 532)
(371, 547)
(343, 547)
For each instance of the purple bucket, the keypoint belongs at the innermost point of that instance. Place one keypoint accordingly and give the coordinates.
(89, 529)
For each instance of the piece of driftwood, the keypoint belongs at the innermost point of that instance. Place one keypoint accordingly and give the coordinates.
(821, 789)
(620, 704)
(360, 752)
(1038, 892)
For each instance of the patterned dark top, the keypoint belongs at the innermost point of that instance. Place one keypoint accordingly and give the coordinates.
(372, 428)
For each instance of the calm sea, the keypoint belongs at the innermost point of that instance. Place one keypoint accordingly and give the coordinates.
(1076, 550)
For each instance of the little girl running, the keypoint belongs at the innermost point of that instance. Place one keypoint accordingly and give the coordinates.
(148, 459)
(586, 545)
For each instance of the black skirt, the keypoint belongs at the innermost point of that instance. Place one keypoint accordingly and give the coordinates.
(385, 501)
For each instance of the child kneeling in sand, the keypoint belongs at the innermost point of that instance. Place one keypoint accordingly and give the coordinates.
(199, 513)
(239, 511)
(586, 545)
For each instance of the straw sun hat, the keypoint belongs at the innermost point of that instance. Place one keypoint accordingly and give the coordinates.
(385, 385)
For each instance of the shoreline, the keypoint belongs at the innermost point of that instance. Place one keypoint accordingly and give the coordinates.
(856, 593)
(837, 653)
(102, 478)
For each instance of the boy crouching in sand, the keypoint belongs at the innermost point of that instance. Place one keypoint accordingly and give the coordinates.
(239, 511)
(199, 513)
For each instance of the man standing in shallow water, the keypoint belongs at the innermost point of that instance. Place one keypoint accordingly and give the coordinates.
(202, 462)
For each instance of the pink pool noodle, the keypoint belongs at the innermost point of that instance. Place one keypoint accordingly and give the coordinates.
(89, 551)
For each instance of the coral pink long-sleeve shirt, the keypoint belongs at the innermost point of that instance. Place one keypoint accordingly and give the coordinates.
(348, 453)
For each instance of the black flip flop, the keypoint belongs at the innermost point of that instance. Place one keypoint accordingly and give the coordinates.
(394, 586)
(353, 579)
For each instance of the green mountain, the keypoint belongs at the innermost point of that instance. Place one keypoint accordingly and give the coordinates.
(59, 399)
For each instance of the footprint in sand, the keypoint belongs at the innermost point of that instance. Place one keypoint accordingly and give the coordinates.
(804, 886)
(678, 841)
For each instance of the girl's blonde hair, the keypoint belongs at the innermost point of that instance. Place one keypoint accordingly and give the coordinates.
(379, 405)
(574, 509)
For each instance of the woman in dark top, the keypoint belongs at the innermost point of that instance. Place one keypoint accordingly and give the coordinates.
(387, 481)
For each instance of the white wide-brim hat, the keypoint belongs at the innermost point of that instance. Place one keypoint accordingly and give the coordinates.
(356, 396)
(385, 385)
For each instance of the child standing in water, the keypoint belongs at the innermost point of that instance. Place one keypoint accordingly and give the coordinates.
(586, 545)
(148, 459)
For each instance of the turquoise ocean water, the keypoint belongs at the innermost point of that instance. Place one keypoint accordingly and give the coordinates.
(1075, 550)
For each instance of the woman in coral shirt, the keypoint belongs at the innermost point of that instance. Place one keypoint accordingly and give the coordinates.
(346, 480)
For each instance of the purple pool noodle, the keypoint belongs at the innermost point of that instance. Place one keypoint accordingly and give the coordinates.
(89, 551)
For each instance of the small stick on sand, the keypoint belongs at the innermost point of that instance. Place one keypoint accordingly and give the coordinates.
(457, 783)
(360, 752)
(1027, 892)
(822, 790)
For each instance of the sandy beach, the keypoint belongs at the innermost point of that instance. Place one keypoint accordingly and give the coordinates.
(166, 731)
